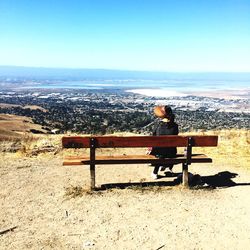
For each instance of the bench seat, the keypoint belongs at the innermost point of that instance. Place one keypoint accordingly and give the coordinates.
(93, 143)
(134, 159)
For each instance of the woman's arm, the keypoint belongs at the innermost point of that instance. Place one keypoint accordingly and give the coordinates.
(155, 128)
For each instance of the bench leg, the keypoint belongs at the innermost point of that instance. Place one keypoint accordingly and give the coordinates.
(92, 176)
(185, 174)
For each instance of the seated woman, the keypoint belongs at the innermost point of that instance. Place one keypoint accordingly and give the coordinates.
(164, 125)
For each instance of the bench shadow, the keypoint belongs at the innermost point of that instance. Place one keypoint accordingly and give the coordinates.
(137, 184)
(145, 184)
(219, 180)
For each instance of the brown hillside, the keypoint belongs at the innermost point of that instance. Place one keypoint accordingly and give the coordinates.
(13, 126)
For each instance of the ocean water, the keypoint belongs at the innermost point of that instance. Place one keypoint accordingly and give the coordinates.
(172, 87)
(190, 84)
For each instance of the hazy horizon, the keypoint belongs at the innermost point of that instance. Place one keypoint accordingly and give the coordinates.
(53, 73)
(121, 69)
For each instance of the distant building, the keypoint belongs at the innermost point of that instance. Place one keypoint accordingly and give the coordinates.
(55, 131)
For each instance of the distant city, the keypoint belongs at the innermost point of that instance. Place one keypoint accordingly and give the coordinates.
(108, 111)
(108, 101)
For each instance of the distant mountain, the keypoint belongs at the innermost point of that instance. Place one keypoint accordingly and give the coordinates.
(80, 74)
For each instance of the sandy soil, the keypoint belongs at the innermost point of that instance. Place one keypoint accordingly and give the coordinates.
(45, 202)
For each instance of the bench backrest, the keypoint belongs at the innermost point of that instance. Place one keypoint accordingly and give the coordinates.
(139, 141)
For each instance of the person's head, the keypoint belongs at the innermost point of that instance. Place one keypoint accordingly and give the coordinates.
(164, 112)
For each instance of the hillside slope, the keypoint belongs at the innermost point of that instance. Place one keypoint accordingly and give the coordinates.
(51, 209)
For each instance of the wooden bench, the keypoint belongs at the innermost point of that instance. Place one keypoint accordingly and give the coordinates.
(96, 142)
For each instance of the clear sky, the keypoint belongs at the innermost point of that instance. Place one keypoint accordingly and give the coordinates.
(159, 35)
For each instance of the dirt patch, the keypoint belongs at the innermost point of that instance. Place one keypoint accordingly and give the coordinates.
(51, 209)
(35, 107)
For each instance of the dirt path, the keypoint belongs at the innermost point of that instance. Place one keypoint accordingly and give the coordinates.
(35, 197)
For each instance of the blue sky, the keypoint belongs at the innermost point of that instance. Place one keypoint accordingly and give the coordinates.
(158, 35)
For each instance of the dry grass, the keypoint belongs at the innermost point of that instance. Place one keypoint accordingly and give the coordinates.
(32, 107)
(233, 147)
(28, 144)
(35, 107)
(76, 191)
(16, 144)
(80, 191)
(13, 125)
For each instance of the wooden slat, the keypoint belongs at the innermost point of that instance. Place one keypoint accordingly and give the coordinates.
(139, 141)
(75, 142)
(142, 141)
(134, 159)
(204, 141)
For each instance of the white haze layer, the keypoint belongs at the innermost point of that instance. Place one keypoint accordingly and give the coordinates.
(156, 92)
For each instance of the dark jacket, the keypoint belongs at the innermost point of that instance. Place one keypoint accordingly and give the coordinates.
(164, 128)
